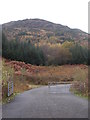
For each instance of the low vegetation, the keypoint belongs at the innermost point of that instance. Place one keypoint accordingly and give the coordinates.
(80, 83)
(27, 76)
(21, 83)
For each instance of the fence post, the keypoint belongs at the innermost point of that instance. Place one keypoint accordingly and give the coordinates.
(10, 87)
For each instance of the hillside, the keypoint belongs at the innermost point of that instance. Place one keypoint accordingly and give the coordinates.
(42, 31)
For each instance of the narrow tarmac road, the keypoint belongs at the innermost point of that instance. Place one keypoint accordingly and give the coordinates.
(44, 102)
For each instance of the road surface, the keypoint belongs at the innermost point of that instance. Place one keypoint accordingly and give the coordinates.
(44, 102)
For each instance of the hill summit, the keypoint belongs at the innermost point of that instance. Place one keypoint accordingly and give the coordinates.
(39, 31)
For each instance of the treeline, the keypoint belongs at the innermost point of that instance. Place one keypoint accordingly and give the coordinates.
(22, 51)
(44, 54)
(67, 53)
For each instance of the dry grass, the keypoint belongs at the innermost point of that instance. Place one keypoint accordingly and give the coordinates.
(80, 83)
(52, 73)
(22, 84)
(30, 76)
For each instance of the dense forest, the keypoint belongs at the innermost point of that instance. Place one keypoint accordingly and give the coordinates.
(22, 51)
(45, 54)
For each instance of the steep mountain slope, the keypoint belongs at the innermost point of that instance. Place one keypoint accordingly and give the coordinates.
(39, 31)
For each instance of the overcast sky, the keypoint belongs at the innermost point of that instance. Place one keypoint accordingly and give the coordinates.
(73, 13)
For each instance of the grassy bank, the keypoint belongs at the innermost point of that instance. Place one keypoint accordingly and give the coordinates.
(80, 83)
